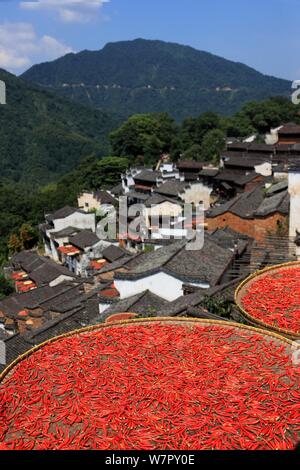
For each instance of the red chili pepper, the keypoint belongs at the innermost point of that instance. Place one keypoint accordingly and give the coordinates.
(274, 298)
(154, 386)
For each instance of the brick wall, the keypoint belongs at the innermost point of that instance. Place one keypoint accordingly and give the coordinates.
(255, 228)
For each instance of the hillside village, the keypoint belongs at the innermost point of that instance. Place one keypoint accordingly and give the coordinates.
(251, 204)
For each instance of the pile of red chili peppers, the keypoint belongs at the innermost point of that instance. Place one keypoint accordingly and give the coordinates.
(274, 299)
(154, 386)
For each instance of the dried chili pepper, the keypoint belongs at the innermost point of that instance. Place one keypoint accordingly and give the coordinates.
(154, 386)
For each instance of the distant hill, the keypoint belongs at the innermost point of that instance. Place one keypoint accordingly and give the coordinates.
(43, 135)
(152, 76)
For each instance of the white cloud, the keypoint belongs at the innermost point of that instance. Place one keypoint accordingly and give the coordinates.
(20, 46)
(70, 11)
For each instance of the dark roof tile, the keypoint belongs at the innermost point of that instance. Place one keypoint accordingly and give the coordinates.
(84, 239)
(63, 213)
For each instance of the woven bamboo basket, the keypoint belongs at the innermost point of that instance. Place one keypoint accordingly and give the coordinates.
(244, 286)
(188, 321)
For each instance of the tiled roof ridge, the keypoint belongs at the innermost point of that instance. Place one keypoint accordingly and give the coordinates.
(172, 256)
(63, 292)
(49, 324)
(63, 316)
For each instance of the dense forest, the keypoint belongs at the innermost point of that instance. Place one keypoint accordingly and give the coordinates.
(140, 139)
(144, 76)
(144, 136)
(42, 136)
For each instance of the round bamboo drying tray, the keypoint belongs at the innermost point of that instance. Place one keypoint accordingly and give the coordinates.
(244, 286)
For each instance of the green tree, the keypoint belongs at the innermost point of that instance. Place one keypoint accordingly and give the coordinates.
(6, 287)
(15, 244)
(148, 135)
(213, 143)
(28, 236)
(193, 130)
(193, 153)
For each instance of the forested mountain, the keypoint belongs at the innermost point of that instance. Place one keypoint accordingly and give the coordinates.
(143, 76)
(43, 135)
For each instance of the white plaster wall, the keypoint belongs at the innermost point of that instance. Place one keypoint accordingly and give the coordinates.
(169, 233)
(103, 307)
(88, 198)
(265, 169)
(161, 284)
(163, 209)
(294, 190)
(48, 251)
(272, 137)
(60, 279)
(197, 193)
(54, 252)
(283, 175)
(62, 241)
(77, 220)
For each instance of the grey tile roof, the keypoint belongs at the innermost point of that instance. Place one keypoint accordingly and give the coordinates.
(113, 253)
(117, 190)
(239, 146)
(148, 176)
(137, 195)
(84, 239)
(66, 232)
(105, 198)
(290, 128)
(255, 147)
(122, 262)
(40, 269)
(155, 199)
(209, 172)
(62, 213)
(79, 317)
(206, 265)
(149, 262)
(145, 303)
(190, 165)
(48, 272)
(243, 205)
(30, 300)
(181, 304)
(230, 239)
(27, 260)
(238, 178)
(245, 161)
(69, 299)
(171, 188)
(277, 203)
(277, 187)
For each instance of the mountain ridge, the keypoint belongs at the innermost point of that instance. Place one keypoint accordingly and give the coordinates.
(142, 75)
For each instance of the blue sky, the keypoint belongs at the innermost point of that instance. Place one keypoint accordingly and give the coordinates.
(264, 34)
